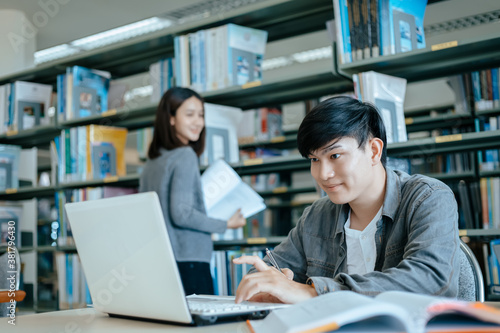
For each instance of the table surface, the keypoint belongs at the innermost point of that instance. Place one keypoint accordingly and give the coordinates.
(91, 320)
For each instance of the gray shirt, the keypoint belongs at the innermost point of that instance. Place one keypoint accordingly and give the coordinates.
(416, 239)
(175, 177)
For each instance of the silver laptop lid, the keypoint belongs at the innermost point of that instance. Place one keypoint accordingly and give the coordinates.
(127, 258)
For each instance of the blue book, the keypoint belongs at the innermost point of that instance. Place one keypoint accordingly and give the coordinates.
(494, 87)
(61, 96)
(495, 261)
(476, 88)
(177, 54)
(406, 25)
(90, 91)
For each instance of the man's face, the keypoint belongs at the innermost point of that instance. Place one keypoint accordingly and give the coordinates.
(343, 170)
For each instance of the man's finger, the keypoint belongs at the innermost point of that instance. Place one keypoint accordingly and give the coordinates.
(258, 263)
(288, 273)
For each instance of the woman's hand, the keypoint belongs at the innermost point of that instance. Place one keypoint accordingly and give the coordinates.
(236, 221)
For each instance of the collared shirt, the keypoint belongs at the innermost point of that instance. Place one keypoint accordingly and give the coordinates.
(417, 242)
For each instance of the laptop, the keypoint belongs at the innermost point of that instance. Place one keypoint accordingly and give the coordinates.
(130, 267)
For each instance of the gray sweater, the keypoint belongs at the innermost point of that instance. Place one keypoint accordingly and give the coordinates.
(175, 177)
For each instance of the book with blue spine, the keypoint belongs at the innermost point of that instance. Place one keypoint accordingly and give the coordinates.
(401, 25)
(90, 91)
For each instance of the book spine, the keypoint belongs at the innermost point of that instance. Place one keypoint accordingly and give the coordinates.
(374, 28)
(494, 87)
(339, 32)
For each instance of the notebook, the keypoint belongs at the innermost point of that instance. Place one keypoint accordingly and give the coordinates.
(130, 267)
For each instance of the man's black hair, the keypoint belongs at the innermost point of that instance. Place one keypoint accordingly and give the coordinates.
(337, 118)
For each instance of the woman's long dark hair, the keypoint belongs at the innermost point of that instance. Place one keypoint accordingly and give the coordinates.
(164, 135)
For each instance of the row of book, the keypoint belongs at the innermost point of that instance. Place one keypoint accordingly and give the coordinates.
(371, 28)
(89, 152)
(261, 124)
(73, 292)
(24, 105)
(162, 76)
(478, 90)
(82, 92)
(491, 253)
(64, 234)
(227, 275)
(219, 57)
(445, 164)
(479, 203)
(488, 159)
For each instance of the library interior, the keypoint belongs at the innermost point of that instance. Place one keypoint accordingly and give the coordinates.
(82, 87)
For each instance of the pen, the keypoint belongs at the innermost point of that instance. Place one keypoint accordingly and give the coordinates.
(273, 261)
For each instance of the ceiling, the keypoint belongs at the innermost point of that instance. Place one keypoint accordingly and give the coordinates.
(72, 19)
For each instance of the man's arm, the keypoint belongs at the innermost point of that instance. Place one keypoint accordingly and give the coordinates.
(264, 283)
(430, 262)
(267, 284)
(290, 253)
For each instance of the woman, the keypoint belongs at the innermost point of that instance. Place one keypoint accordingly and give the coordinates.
(172, 172)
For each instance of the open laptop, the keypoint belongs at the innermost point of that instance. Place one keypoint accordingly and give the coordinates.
(130, 266)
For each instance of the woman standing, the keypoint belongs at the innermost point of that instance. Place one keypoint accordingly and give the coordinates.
(172, 172)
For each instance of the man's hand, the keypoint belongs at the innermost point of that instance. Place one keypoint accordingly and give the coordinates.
(269, 285)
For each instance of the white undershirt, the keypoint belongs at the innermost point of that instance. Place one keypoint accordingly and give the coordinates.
(361, 249)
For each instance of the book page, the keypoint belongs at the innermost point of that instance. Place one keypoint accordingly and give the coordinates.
(242, 196)
(330, 312)
(424, 308)
(217, 181)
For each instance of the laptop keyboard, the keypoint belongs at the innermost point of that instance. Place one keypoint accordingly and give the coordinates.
(218, 307)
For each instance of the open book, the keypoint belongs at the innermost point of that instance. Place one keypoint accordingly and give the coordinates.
(391, 311)
(225, 192)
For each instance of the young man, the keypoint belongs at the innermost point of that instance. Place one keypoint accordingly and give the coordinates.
(378, 229)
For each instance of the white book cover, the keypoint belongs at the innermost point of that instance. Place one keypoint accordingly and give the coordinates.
(31, 104)
(387, 93)
(4, 105)
(221, 123)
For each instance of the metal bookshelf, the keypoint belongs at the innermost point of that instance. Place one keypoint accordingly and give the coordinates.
(452, 57)
(281, 18)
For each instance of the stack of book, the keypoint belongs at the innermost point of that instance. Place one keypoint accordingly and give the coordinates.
(24, 105)
(387, 93)
(90, 152)
(82, 92)
(162, 77)
(370, 28)
(219, 57)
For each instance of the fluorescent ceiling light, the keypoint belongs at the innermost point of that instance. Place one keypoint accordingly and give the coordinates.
(299, 57)
(102, 39)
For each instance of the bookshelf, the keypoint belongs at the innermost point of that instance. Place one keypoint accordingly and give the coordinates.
(282, 19)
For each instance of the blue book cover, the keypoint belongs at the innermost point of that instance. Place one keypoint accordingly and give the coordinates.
(346, 35)
(476, 86)
(494, 87)
(406, 22)
(61, 96)
(171, 73)
(495, 261)
(177, 54)
(202, 60)
(246, 48)
(90, 91)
